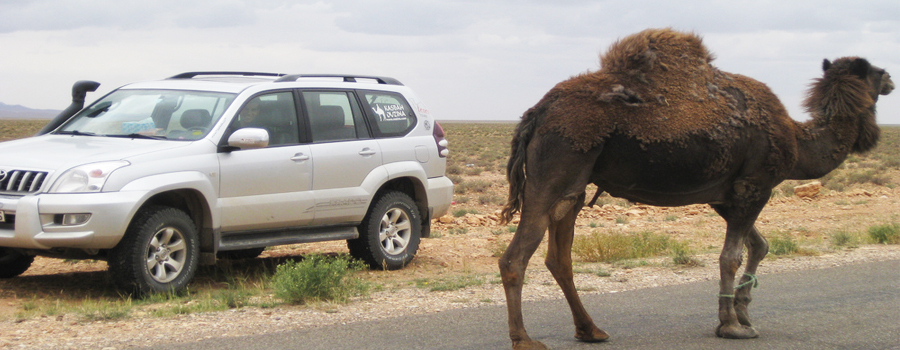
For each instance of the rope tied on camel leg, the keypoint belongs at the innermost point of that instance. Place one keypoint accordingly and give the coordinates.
(753, 281)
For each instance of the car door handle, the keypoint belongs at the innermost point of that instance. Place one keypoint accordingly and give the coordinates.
(366, 152)
(299, 157)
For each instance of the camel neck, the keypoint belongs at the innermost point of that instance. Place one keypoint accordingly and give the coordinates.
(823, 145)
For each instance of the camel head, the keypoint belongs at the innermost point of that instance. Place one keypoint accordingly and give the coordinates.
(877, 79)
(850, 89)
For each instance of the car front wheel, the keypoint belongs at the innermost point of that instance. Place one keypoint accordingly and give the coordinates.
(390, 233)
(158, 254)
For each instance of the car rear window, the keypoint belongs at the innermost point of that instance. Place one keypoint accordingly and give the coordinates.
(389, 113)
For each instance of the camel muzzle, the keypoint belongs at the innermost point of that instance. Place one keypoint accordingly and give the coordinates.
(887, 85)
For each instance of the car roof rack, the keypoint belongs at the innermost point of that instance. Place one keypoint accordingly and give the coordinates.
(348, 78)
(189, 75)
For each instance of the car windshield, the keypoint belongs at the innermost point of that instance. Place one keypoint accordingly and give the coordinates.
(153, 114)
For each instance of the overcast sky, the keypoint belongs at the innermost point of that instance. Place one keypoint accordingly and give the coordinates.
(483, 60)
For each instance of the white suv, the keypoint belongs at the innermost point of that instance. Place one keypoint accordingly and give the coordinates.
(160, 177)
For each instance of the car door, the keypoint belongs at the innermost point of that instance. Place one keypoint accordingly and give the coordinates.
(267, 187)
(344, 155)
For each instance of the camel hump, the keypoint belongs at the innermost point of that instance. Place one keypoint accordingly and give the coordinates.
(653, 50)
(657, 86)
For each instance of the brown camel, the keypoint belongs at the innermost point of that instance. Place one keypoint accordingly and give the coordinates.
(658, 124)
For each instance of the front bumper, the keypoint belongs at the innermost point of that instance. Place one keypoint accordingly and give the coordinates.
(35, 226)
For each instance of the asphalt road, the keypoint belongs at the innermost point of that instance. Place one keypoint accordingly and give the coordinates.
(850, 307)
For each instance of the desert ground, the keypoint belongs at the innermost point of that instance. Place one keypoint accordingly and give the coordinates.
(827, 226)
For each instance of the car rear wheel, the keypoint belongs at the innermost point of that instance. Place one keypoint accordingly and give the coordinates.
(158, 254)
(390, 233)
(13, 263)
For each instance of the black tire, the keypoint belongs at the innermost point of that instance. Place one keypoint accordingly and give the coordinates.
(389, 234)
(158, 254)
(13, 263)
(250, 253)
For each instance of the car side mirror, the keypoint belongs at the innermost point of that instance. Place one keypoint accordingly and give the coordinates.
(249, 138)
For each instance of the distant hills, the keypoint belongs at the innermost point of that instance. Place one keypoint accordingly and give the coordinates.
(21, 112)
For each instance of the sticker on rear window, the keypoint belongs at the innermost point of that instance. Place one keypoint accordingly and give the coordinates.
(390, 112)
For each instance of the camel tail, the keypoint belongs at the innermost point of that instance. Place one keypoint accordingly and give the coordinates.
(515, 168)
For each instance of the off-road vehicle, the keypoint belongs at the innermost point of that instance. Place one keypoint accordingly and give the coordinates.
(160, 177)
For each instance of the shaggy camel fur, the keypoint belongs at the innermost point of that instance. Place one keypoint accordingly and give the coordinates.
(658, 124)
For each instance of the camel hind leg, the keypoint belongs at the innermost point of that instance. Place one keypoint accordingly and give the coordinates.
(512, 272)
(557, 176)
(559, 262)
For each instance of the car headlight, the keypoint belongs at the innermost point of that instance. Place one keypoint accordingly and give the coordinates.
(86, 178)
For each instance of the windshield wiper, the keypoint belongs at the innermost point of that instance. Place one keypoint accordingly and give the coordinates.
(76, 132)
(135, 135)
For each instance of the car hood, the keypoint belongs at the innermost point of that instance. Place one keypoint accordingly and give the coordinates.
(60, 152)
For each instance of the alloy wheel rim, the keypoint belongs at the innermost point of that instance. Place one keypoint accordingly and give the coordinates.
(395, 231)
(166, 254)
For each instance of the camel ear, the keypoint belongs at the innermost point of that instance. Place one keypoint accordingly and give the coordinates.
(826, 64)
(860, 67)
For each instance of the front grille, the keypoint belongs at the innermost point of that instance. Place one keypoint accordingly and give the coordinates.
(21, 181)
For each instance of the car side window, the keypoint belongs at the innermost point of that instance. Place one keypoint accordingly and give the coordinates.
(389, 113)
(274, 112)
(333, 116)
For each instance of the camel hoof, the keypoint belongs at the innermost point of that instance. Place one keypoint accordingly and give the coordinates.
(736, 332)
(743, 314)
(594, 335)
(530, 345)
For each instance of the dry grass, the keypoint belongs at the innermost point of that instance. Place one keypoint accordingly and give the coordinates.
(11, 129)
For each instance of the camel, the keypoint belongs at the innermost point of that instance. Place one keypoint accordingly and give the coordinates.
(659, 124)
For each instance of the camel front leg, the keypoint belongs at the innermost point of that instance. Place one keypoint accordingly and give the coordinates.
(757, 248)
(559, 262)
(739, 230)
(512, 271)
(729, 263)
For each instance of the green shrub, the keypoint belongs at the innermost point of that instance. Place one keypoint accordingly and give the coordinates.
(462, 212)
(844, 239)
(885, 234)
(783, 244)
(232, 298)
(613, 246)
(682, 254)
(318, 278)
